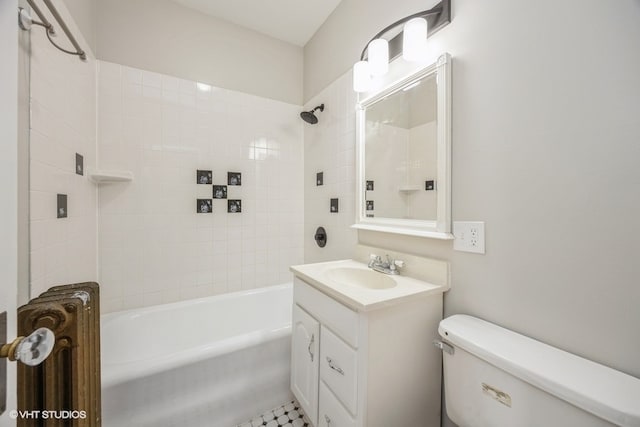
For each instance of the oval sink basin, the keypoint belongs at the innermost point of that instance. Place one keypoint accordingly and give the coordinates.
(367, 279)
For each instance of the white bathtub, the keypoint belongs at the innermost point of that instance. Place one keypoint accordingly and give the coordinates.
(212, 362)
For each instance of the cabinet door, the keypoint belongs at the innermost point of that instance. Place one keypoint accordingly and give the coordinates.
(304, 361)
(332, 413)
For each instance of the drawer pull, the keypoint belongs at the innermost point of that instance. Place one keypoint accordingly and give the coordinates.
(313, 337)
(327, 419)
(334, 367)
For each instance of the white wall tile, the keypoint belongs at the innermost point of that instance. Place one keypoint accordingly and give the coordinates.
(329, 147)
(165, 129)
(153, 247)
(63, 123)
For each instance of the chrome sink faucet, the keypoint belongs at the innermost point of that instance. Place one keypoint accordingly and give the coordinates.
(390, 266)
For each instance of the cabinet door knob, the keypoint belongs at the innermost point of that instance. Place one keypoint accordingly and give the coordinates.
(334, 367)
(313, 338)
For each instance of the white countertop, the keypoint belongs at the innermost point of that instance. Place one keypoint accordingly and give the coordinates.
(360, 298)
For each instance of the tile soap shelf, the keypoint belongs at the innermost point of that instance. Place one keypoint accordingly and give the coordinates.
(409, 188)
(110, 176)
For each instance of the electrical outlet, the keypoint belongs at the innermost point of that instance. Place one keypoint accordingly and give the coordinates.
(469, 236)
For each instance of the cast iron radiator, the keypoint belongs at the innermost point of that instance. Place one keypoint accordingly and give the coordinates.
(63, 391)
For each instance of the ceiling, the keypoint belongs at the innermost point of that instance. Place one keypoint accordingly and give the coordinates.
(294, 21)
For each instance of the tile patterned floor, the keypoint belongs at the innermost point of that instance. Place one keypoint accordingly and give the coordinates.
(287, 415)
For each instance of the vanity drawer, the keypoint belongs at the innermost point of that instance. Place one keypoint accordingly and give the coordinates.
(331, 412)
(328, 311)
(339, 368)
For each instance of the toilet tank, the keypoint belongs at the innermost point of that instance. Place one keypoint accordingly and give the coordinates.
(495, 377)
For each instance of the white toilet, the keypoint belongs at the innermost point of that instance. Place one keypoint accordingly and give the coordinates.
(497, 378)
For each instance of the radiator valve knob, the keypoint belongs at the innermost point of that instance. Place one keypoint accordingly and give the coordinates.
(32, 350)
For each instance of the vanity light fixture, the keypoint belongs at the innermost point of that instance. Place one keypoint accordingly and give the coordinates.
(379, 57)
(414, 39)
(411, 42)
(362, 77)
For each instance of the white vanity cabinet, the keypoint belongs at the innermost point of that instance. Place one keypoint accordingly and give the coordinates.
(355, 367)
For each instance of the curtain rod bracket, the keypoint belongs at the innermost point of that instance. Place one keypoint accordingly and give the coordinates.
(25, 22)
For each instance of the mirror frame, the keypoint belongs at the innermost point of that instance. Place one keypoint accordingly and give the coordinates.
(401, 75)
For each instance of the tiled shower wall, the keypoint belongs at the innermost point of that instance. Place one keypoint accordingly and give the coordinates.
(153, 246)
(387, 148)
(330, 149)
(397, 158)
(63, 123)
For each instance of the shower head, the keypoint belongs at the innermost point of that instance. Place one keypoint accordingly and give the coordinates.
(310, 117)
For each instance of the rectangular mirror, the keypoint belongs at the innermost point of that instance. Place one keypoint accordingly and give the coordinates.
(404, 152)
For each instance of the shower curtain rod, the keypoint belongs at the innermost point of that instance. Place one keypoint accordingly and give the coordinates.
(50, 30)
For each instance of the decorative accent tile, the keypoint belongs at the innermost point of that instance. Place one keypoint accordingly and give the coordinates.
(289, 415)
(62, 206)
(204, 177)
(219, 191)
(204, 206)
(79, 164)
(334, 206)
(429, 185)
(320, 178)
(234, 206)
(234, 178)
(369, 186)
(369, 205)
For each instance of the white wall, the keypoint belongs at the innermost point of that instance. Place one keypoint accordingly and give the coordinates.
(8, 189)
(84, 13)
(545, 146)
(63, 123)
(162, 36)
(154, 247)
(329, 147)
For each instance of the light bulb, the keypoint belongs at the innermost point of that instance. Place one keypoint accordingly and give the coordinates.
(362, 76)
(414, 39)
(378, 51)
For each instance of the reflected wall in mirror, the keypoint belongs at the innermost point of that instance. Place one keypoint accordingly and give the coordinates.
(404, 152)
